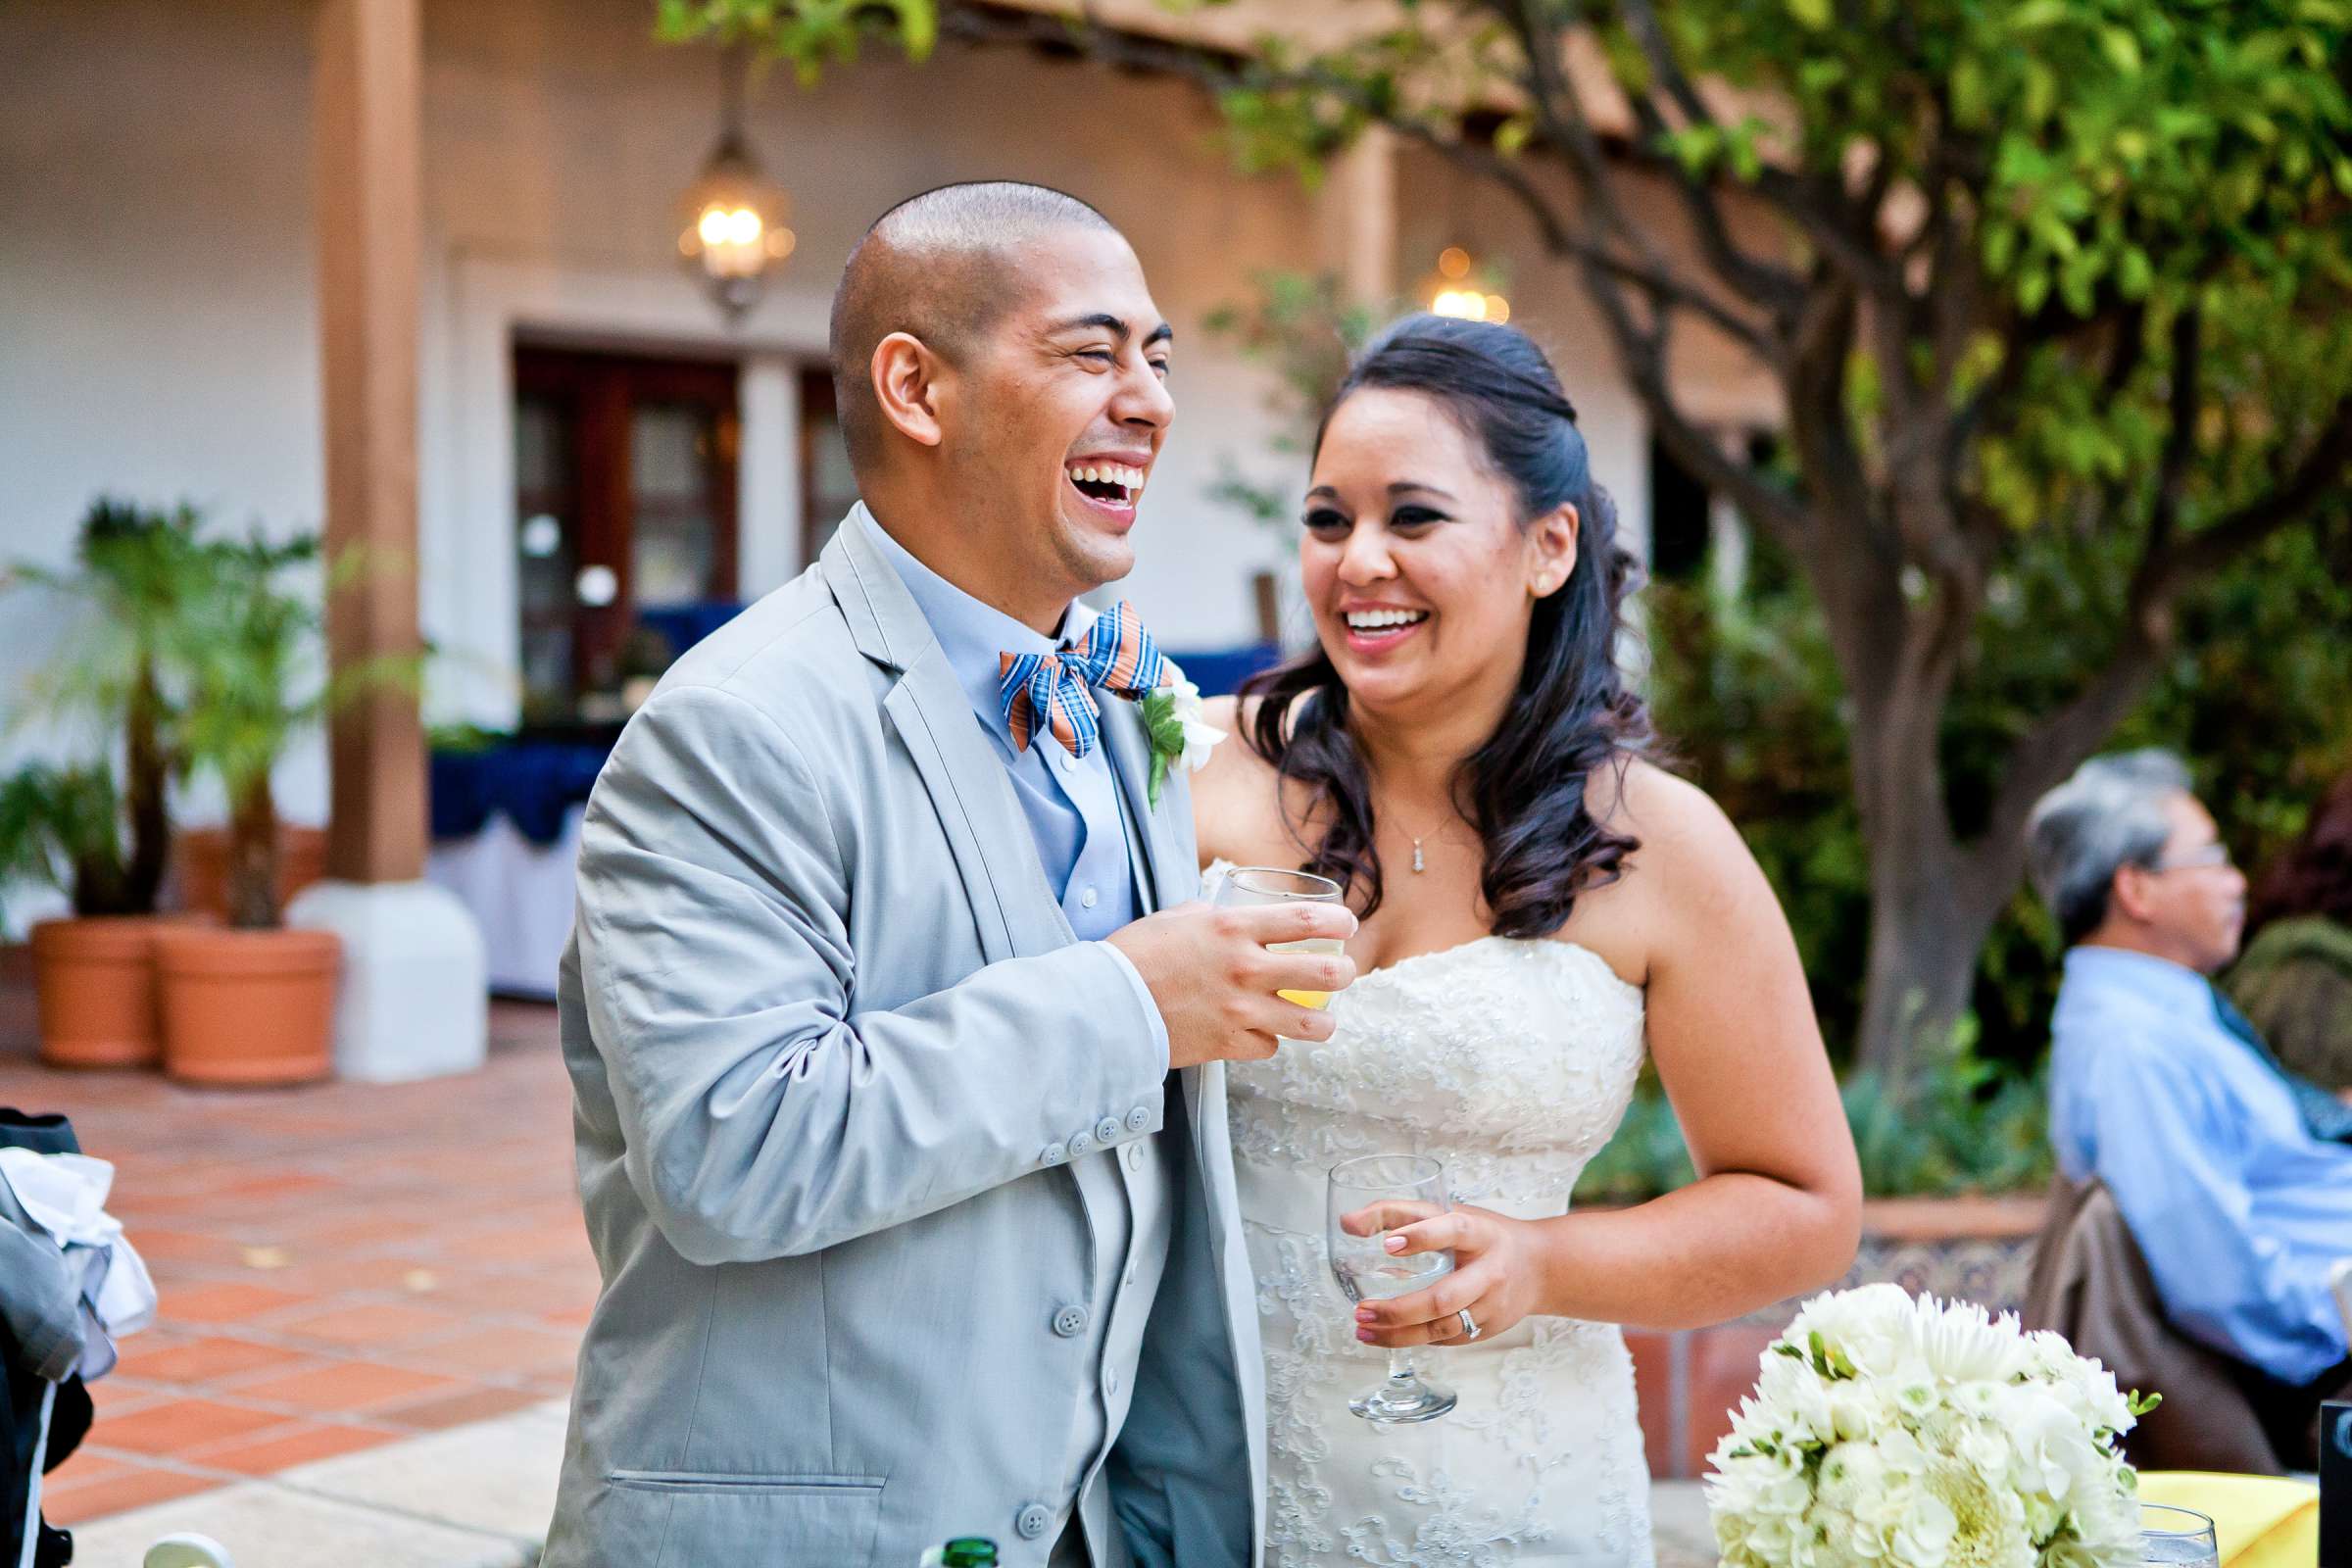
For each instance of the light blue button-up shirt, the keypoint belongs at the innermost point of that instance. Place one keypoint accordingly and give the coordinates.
(2240, 1212)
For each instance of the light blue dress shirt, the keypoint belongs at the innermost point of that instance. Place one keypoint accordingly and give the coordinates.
(2239, 1210)
(1073, 805)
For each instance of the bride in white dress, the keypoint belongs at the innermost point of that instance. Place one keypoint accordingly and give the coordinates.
(1538, 903)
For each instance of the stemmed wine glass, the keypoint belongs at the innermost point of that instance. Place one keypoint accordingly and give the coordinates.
(2170, 1534)
(1370, 1197)
(1246, 885)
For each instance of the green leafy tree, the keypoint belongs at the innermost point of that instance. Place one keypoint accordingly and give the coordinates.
(1749, 695)
(2022, 271)
(809, 33)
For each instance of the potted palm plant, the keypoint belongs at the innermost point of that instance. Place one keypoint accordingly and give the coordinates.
(94, 974)
(253, 1001)
(135, 574)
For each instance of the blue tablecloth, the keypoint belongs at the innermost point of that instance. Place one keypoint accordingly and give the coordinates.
(534, 782)
(1220, 672)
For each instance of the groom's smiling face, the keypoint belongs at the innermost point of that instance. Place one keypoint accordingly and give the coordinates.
(1062, 409)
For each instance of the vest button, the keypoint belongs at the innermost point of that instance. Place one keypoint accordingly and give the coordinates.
(1034, 1521)
(1070, 1322)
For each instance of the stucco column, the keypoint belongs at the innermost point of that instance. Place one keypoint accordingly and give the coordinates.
(370, 187)
(1355, 217)
(413, 998)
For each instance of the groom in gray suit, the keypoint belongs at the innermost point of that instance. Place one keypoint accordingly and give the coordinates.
(900, 1111)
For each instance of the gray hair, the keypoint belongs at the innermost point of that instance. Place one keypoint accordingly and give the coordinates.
(2109, 815)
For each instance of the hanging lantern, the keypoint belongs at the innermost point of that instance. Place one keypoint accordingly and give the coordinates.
(734, 216)
(1452, 290)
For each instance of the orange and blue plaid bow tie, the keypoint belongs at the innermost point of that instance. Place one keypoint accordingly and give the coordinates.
(1119, 655)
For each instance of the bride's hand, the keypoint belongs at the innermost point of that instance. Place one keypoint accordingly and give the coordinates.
(1497, 1273)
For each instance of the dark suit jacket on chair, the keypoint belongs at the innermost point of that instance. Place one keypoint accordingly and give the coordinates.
(2090, 1284)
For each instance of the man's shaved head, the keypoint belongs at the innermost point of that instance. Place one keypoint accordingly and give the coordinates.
(1000, 371)
(944, 267)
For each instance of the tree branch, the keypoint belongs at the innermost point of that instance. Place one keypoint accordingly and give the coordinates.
(1551, 91)
(1217, 73)
(1664, 290)
(2042, 758)
(2320, 473)
(1643, 350)
(2180, 441)
(1826, 216)
(1778, 288)
(2129, 350)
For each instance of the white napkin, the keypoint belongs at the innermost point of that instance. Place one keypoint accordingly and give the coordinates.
(65, 1196)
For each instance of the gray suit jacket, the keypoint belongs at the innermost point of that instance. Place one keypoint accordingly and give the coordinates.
(830, 1038)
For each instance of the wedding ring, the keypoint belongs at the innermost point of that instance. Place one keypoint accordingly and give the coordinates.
(1469, 1324)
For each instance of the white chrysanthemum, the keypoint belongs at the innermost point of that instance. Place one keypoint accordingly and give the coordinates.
(1796, 1401)
(1988, 1519)
(1961, 1342)
(1984, 1446)
(1858, 1408)
(1870, 1324)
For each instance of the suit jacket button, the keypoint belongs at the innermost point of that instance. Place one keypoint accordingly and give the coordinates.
(1051, 1154)
(1139, 1118)
(1081, 1143)
(1034, 1521)
(1107, 1131)
(1070, 1322)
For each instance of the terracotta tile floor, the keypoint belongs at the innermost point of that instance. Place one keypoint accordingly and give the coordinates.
(339, 1266)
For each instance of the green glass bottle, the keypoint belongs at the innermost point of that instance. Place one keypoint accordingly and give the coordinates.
(964, 1552)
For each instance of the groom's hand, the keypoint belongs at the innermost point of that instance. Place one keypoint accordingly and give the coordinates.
(1215, 983)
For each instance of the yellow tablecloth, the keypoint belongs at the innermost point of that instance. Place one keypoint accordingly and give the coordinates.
(2261, 1521)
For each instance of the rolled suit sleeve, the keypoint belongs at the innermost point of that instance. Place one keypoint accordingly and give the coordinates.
(764, 1114)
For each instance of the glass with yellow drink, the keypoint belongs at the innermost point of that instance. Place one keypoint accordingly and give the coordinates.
(1246, 885)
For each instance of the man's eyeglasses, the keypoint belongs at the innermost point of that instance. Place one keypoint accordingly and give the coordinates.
(2212, 857)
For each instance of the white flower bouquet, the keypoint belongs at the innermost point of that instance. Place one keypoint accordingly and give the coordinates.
(1923, 1434)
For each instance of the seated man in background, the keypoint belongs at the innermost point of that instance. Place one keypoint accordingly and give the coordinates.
(2161, 1091)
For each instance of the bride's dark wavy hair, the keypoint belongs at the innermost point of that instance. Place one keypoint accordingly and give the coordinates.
(1523, 788)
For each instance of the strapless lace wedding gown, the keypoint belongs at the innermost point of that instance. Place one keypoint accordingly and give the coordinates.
(1512, 1062)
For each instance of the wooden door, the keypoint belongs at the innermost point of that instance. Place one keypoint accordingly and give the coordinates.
(625, 503)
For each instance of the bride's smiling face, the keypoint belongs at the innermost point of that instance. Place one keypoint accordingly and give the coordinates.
(1419, 570)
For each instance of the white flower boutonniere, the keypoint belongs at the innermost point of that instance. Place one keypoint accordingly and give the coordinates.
(1172, 713)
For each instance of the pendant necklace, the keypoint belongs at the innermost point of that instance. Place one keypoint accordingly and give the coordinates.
(1419, 865)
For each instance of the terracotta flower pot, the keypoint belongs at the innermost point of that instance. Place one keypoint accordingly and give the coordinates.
(200, 866)
(95, 981)
(248, 1006)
